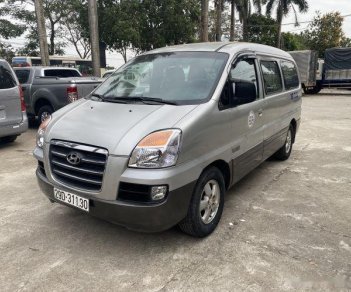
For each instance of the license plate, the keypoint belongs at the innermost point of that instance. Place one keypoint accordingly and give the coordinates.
(72, 199)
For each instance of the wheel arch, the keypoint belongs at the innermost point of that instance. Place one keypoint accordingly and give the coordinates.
(293, 123)
(41, 101)
(224, 168)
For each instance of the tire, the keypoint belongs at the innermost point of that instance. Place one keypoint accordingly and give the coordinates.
(44, 112)
(316, 89)
(284, 152)
(209, 194)
(8, 139)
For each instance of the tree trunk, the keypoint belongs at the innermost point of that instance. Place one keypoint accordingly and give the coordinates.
(52, 40)
(279, 20)
(94, 37)
(232, 21)
(204, 21)
(44, 52)
(245, 29)
(219, 5)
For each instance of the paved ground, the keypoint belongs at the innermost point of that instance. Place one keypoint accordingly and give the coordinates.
(287, 226)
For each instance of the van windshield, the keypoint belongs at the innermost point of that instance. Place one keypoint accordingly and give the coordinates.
(173, 77)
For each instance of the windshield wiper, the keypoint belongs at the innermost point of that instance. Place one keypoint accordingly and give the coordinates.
(145, 99)
(101, 97)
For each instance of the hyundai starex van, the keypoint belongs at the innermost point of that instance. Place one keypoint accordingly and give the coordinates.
(162, 139)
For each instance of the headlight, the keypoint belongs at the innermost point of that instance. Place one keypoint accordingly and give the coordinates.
(157, 150)
(41, 132)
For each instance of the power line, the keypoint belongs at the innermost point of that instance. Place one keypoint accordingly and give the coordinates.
(290, 23)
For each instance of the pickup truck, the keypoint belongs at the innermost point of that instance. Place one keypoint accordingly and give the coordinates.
(47, 89)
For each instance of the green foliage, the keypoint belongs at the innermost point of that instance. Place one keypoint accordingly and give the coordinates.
(283, 9)
(6, 52)
(7, 28)
(144, 25)
(325, 31)
(293, 42)
(262, 29)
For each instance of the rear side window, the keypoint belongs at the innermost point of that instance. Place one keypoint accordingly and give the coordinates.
(7, 80)
(22, 75)
(271, 77)
(61, 73)
(290, 76)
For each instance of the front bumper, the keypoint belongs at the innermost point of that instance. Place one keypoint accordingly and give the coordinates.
(140, 217)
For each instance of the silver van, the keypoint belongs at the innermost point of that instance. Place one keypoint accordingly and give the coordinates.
(13, 117)
(162, 139)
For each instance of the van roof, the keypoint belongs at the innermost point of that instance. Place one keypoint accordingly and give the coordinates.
(228, 47)
(45, 67)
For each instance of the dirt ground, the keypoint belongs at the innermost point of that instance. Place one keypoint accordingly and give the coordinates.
(285, 227)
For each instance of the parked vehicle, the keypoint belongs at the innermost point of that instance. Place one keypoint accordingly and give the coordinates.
(169, 133)
(47, 89)
(13, 117)
(107, 73)
(332, 72)
(83, 65)
(307, 63)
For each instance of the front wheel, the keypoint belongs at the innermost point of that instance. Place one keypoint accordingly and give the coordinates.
(206, 205)
(45, 112)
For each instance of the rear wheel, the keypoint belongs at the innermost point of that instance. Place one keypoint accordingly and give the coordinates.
(206, 205)
(284, 152)
(8, 139)
(44, 112)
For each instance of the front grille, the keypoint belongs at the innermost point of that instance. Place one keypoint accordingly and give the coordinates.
(87, 173)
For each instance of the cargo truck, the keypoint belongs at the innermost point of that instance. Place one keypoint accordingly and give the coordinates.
(332, 72)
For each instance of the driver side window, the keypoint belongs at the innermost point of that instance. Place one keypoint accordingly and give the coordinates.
(242, 85)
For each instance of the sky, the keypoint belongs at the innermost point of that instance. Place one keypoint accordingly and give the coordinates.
(324, 6)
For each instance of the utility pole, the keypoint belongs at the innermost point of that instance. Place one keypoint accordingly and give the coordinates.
(43, 42)
(94, 37)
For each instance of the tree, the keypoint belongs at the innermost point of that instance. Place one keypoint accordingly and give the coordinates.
(232, 20)
(293, 42)
(262, 29)
(283, 8)
(6, 52)
(219, 6)
(204, 21)
(7, 28)
(325, 31)
(44, 53)
(54, 10)
(244, 8)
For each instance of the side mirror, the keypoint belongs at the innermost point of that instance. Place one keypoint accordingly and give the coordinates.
(243, 92)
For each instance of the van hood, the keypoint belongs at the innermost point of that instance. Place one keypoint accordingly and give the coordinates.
(116, 127)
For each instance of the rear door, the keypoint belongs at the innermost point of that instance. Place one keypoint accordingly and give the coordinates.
(277, 100)
(10, 102)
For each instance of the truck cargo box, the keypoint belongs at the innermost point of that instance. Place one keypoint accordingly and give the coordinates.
(307, 63)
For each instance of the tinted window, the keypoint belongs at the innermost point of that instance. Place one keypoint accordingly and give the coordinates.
(22, 75)
(244, 72)
(61, 73)
(7, 80)
(271, 77)
(291, 79)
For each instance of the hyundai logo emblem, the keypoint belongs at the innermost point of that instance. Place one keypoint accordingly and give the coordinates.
(74, 158)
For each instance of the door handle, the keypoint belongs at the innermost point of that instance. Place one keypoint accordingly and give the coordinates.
(260, 112)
